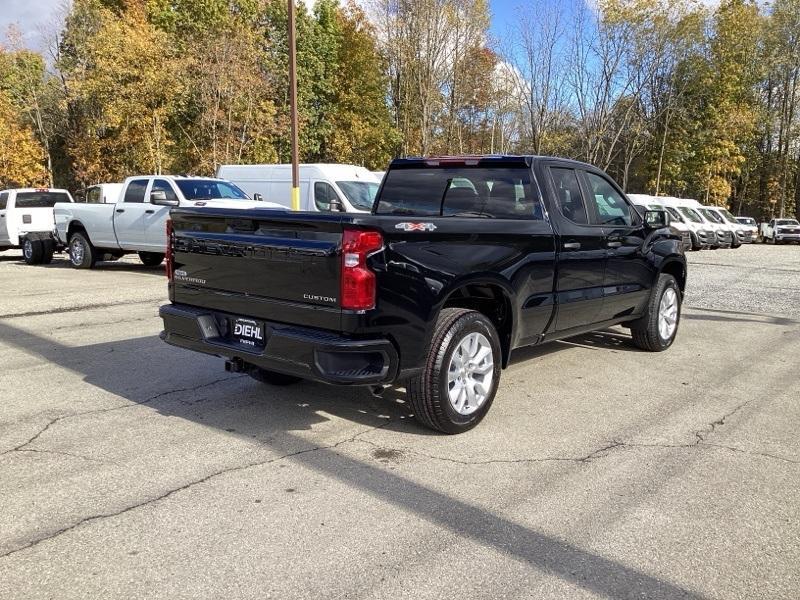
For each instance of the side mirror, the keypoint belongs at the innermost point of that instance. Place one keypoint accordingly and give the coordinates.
(258, 197)
(656, 219)
(336, 205)
(160, 197)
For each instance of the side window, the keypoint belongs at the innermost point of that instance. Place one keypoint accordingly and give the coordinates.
(3, 200)
(610, 205)
(568, 194)
(161, 185)
(135, 191)
(94, 195)
(324, 194)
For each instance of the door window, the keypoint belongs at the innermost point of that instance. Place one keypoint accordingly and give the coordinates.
(610, 206)
(568, 194)
(324, 194)
(161, 185)
(135, 191)
(3, 200)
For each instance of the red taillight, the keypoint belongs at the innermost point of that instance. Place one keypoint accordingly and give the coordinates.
(168, 251)
(358, 282)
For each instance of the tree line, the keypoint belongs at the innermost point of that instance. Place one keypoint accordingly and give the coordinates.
(672, 98)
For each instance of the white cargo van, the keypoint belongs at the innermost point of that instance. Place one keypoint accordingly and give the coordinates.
(323, 187)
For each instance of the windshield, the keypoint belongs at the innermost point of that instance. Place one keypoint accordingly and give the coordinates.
(208, 189)
(690, 214)
(746, 220)
(675, 214)
(728, 216)
(40, 199)
(711, 215)
(463, 191)
(361, 194)
(786, 222)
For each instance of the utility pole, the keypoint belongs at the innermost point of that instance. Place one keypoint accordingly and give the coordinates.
(293, 109)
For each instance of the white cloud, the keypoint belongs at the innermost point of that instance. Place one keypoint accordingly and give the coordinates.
(30, 16)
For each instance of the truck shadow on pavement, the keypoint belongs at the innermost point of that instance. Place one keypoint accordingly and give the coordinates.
(177, 383)
(113, 266)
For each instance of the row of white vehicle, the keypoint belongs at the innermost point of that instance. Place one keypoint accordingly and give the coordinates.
(114, 219)
(701, 226)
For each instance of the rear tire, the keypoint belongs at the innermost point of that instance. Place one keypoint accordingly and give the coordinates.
(82, 255)
(656, 329)
(32, 251)
(151, 259)
(271, 377)
(459, 381)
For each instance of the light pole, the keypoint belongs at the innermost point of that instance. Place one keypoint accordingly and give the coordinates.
(293, 109)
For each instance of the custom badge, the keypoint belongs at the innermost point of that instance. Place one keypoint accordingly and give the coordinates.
(415, 226)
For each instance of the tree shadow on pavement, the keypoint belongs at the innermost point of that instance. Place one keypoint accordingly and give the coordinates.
(136, 369)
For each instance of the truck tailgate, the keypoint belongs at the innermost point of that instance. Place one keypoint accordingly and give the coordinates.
(259, 263)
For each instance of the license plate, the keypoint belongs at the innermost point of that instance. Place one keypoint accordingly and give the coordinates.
(248, 332)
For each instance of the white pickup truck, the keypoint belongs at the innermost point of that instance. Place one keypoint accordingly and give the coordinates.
(137, 221)
(26, 221)
(778, 231)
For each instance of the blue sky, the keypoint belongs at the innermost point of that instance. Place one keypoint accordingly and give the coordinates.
(31, 14)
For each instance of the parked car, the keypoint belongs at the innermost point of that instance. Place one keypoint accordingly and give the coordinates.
(461, 261)
(645, 202)
(778, 231)
(323, 187)
(705, 231)
(27, 222)
(137, 222)
(749, 223)
(101, 193)
(740, 235)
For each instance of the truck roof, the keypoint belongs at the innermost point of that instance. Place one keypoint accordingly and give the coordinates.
(489, 160)
(30, 189)
(173, 177)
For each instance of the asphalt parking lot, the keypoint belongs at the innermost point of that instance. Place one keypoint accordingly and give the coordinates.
(131, 469)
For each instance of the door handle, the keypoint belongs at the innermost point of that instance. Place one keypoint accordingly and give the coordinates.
(120, 210)
(614, 244)
(149, 211)
(572, 246)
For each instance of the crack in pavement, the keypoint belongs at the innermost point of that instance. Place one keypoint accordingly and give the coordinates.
(186, 486)
(599, 453)
(38, 434)
(700, 441)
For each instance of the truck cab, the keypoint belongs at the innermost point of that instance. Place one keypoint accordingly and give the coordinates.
(27, 221)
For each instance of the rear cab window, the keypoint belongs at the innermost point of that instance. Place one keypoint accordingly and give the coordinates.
(39, 199)
(135, 190)
(568, 194)
(460, 191)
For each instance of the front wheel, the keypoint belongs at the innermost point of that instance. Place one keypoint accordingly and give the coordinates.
(459, 381)
(151, 259)
(656, 329)
(33, 251)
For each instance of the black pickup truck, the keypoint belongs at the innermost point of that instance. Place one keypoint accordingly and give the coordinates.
(462, 260)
